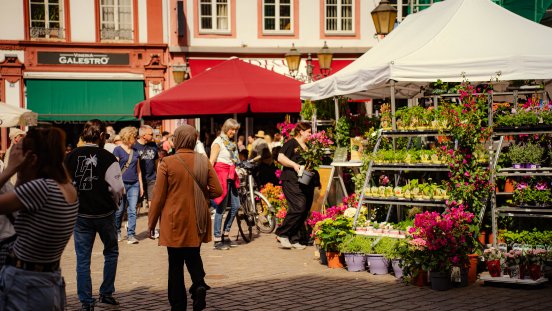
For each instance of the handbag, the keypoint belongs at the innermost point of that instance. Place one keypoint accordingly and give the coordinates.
(127, 164)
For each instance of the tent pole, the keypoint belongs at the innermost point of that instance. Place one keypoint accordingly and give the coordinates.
(393, 105)
(336, 104)
(393, 123)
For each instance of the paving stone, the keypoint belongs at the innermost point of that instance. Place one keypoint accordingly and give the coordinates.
(261, 276)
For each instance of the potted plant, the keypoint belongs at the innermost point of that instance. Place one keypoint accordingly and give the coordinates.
(516, 154)
(355, 247)
(388, 247)
(331, 233)
(317, 145)
(492, 257)
(533, 155)
(447, 239)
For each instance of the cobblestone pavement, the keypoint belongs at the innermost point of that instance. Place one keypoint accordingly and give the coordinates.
(260, 276)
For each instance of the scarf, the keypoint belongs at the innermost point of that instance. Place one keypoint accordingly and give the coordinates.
(230, 146)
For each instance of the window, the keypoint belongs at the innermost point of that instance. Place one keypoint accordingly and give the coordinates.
(339, 16)
(277, 16)
(46, 17)
(116, 20)
(213, 16)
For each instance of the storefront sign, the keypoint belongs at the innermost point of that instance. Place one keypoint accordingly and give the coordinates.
(78, 58)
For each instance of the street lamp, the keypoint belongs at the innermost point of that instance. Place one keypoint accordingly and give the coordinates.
(325, 57)
(293, 58)
(180, 72)
(384, 16)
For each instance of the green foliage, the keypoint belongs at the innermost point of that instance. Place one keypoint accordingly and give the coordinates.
(325, 108)
(332, 232)
(533, 237)
(533, 153)
(388, 247)
(307, 111)
(342, 132)
(516, 153)
(356, 244)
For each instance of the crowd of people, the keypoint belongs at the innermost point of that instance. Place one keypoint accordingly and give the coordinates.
(87, 190)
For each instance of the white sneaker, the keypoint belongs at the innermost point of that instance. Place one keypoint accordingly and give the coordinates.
(156, 235)
(119, 237)
(298, 246)
(132, 240)
(284, 242)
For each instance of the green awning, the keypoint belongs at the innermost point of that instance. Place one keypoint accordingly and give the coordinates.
(82, 100)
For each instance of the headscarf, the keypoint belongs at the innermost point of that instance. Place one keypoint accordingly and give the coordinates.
(185, 137)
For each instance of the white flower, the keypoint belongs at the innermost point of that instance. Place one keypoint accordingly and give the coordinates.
(350, 212)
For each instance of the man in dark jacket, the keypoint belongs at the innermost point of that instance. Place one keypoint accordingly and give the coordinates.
(97, 178)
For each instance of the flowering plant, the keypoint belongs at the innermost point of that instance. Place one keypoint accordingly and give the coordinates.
(276, 197)
(536, 256)
(445, 240)
(287, 129)
(514, 258)
(492, 253)
(332, 232)
(317, 143)
(334, 211)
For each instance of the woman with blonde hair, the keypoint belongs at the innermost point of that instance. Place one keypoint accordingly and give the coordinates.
(224, 155)
(132, 178)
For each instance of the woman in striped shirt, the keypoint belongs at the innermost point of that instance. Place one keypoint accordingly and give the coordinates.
(47, 203)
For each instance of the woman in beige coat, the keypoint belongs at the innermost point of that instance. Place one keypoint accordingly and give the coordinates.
(185, 183)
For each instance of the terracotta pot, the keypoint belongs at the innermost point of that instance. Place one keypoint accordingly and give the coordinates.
(421, 279)
(472, 272)
(334, 260)
(509, 186)
(499, 239)
(482, 238)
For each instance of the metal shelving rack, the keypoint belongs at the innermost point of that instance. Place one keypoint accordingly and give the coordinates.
(400, 168)
(516, 211)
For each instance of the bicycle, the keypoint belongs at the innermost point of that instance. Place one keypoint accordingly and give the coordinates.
(255, 210)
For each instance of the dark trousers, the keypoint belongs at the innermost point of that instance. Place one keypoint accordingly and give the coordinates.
(299, 198)
(177, 291)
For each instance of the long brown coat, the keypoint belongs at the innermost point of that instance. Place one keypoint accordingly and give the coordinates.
(173, 202)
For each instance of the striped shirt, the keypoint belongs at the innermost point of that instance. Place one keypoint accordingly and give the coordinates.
(45, 224)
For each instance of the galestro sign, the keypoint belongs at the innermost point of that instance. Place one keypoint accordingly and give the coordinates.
(78, 58)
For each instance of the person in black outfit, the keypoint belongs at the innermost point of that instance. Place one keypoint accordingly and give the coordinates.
(292, 232)
(97, 177)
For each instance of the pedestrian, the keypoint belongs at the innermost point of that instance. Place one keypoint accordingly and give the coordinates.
(292, 232)
(266, 171)
(132, 179)
(224, 155)
(110, 139)
(241, 143)
(199, 147)
(278, 140)
(185, 183)
(97, 176)
(258, 145)
(147, 152)
(16, 135)
(250, 140)
(48, 205)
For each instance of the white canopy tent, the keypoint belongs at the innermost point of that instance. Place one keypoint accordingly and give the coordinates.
(14, 116)
(453, 40)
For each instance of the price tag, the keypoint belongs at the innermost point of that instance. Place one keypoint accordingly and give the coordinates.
(340, 154)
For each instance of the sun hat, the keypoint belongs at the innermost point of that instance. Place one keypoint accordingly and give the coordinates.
(260, 134)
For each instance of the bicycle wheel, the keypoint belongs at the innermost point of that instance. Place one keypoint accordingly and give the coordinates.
(245, 225)
(266, 218)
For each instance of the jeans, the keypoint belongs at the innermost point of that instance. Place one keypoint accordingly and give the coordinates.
(232, 197)
(84, 236)
(28, 290)
(132, 193)
(176, 288)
